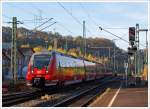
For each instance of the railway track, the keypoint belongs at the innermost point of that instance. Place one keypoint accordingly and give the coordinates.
(11, 99)
(17, 98)
(83, 98)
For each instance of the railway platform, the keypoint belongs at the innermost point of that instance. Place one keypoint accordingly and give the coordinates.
(119, 95)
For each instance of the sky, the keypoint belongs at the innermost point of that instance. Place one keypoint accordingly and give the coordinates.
(114, 17)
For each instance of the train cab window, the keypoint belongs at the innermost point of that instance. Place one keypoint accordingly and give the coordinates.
(41, 61)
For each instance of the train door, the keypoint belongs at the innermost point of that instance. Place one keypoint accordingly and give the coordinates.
(60, 73)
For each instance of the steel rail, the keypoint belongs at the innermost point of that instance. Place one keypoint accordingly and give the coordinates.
(93, 97)
(13, 99)
(72, 98)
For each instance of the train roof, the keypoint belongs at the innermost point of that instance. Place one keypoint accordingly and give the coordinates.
(62, 54)
(80, 58)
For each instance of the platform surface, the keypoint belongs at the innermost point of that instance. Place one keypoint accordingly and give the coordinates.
(121, 96)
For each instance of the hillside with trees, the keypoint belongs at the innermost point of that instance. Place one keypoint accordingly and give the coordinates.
(73, 45)
(38, 38)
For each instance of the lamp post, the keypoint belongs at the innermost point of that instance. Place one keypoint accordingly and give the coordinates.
(113, 40)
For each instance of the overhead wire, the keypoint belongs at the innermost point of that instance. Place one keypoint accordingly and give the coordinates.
(104, 28)
(27, 11)
(43, 23)
(83, 8)
(10, 18)
(116, 28)
(25, 20)
(79, 21)
(60, 24)
(117, 36)
(47, 26)
(30, 21)
(89, 16)
(68, 12)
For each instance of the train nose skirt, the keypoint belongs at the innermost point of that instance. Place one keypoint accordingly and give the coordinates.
(38, 82)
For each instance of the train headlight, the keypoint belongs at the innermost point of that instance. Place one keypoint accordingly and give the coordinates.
(32, 72)
(46, 71)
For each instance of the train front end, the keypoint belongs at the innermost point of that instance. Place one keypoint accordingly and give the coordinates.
(38, 69)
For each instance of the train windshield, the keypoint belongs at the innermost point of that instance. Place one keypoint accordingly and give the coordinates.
(41, 61)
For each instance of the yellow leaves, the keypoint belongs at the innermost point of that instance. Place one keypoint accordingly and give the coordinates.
(25, 46)
(50, 48)
(91, 58)
(73, 52)
(61, 50)
(145, 72)
(37, 49)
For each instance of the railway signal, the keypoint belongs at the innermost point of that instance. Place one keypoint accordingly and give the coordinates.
(133, 48)
(132, 34)
(130, 51)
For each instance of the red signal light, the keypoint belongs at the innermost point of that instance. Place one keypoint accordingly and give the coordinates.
(131, 33)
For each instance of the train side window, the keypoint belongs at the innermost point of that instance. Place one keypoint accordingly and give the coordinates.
(68, 64)
(71, 64)
(75, 67)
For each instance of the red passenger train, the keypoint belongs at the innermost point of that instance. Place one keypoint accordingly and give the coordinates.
(54, 68)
